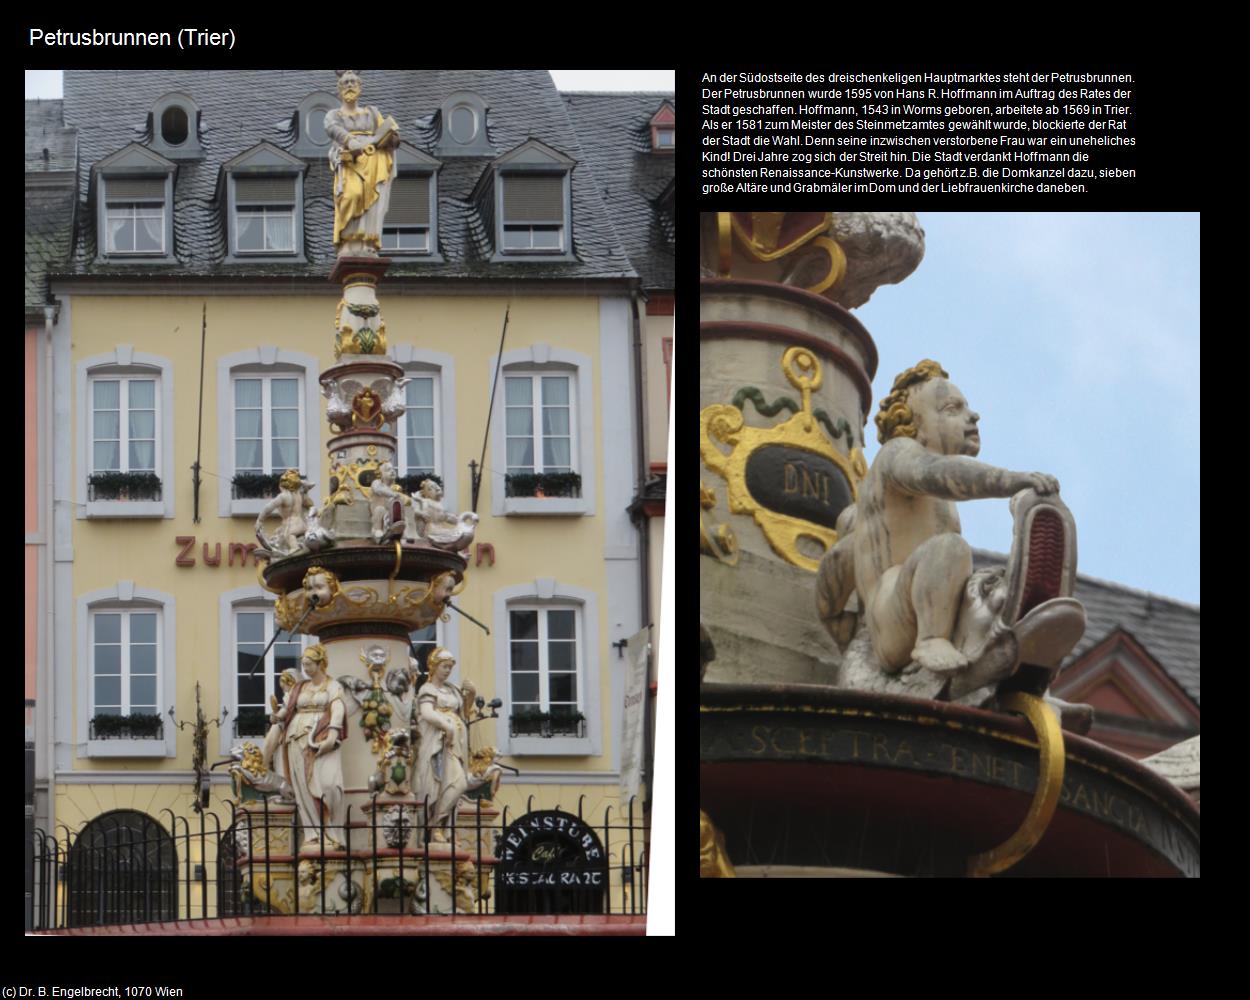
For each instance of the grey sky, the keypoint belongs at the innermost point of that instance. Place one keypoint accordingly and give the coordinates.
(47, 82)
(1076, 337)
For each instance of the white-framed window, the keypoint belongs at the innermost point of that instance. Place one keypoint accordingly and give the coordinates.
(543, 426)
(534, 213)
(664, 138)
(406, 229)
(125, 638)
(547, 669)
(541, 422)
(544, 663)
(126, 646)
(268, 416)
(124, 439)
(424, 640)
(255, 683)
(264, 215)
(125, 424)
(269, 421)
(419, 427)
(134, 227)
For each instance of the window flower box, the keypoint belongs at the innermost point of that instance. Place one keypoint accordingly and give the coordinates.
(412, 484)
(548, 724)
(543, 484)
(127, 727)
(123, 486)
(255, 485)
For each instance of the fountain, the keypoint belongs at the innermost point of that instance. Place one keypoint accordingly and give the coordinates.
(359, 799)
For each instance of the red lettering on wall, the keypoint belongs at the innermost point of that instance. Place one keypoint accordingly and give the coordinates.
(243, 550)
(485, 549)
(188, 543)
(216, 559)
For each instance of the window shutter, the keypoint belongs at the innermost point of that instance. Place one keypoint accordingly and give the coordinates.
(266, 190)
(410, 202)
(533, 199)
(135, 189)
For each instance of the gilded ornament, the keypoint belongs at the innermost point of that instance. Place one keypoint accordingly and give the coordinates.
(713, 859)
(722, 424)
(1045, 796)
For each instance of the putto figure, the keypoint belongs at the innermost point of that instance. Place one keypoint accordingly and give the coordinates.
(900, 551)
(437, 526)
(290, 503)
(362, 159)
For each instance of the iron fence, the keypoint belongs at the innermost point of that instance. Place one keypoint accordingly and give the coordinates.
(129, 868)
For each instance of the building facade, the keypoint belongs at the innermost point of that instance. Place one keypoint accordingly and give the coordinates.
(194, 315)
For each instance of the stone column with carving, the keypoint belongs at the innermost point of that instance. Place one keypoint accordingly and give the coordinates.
(784, 393)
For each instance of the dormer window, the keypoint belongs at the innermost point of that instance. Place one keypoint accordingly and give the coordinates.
(410, 226)
(175, 127)
(134, 198)
(135, 217)
(662, 128)
(533, 212)
(533, 203)
(264, 215)
(463, 116)
(264, 195)
(311, 138)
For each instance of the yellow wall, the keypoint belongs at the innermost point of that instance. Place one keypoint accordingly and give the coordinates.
(568, 549)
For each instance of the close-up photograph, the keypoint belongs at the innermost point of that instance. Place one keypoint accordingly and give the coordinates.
(897, 680)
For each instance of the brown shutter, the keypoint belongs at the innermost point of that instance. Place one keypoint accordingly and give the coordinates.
(410, 202)
(265, 190)
(134, 189)
(533, 199)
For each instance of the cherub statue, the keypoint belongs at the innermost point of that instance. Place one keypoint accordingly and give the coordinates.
(290, 503)
(436, 525)
(384, 495)
(902, 566)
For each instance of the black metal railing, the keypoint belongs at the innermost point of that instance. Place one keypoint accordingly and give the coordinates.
(251, 721)
(136, 869)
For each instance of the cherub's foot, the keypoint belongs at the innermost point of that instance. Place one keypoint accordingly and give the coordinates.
(939, 655)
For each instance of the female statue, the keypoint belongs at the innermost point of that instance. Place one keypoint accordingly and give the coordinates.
(306, 735)
(442, 772)
(363, 161)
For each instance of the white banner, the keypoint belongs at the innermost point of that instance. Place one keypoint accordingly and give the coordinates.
(633, 719)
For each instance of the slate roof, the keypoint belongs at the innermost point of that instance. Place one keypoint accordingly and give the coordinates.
(49, 206)
(616, 137)
(1168, 629)
(49, 144)
(239, 109)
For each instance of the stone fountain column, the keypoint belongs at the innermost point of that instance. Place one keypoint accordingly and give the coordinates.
(785, 390)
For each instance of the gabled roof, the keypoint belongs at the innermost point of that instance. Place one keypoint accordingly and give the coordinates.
(1169, 630)
(241, 108)
(615, 132)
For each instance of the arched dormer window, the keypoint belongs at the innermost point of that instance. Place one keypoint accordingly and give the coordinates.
(311, 140)
(176, 127)
(463, 116)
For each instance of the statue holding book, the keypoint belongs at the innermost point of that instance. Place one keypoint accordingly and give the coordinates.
(362, 158)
